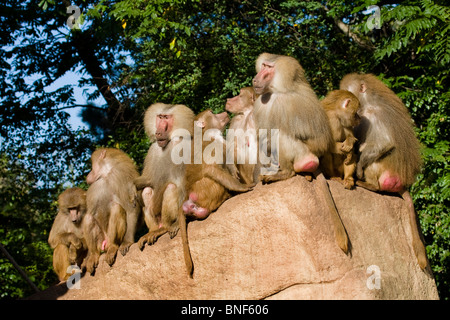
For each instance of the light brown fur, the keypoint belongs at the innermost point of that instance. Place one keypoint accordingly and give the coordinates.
(112, 203)
(341, 108)
(389, 152)
(246, 146)
(66, 236)
(390, 131)
(289, 104)
(209, 180)
(208, 183)
(162, 180)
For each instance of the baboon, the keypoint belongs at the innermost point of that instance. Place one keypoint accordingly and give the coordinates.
(243, 144)
(208, 181)
(66, 236)
(112, 204)
(288, 103)
(341, 108)
(163, 176)
(389, 152)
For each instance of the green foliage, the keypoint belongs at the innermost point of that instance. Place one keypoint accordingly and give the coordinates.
(135, 143)
(420, 26)
(416, 49)
(24, 224)
(196, 53)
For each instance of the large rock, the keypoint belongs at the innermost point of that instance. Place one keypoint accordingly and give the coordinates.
(275, 242)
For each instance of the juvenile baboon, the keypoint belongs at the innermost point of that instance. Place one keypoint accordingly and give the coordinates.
(389, 152)
(208, 181)
(66, 236)
(341, 108)
(112, 203)
(244, 144)
(163, 178)
(288, 104)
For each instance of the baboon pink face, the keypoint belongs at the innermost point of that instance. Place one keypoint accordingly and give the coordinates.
(243, 101)
(262, 80)
(74, 215)
(164, 125)
(233, 104)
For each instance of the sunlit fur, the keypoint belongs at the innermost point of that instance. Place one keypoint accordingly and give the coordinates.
(341, 107)
(289, 104)
(117, 171)
(244, 148)
(182, 120)
(211, 180)
(289, 72)
(112, 202)
(292, 107)
(162, 179)
(389, 152)
(385, 123)
(66, 237)
(158, 166)
(208, 182)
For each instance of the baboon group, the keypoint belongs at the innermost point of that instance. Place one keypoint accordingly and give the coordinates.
(361, 135)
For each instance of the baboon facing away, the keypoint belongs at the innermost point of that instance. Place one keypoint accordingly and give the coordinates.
(112, 203)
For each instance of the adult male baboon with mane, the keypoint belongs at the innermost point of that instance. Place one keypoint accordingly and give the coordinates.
(163, 178)
(288, 103)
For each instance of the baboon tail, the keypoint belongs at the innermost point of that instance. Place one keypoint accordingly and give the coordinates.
(417, 244)
(339, 229)
(186, 249)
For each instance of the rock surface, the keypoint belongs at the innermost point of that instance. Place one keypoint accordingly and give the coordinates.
(275, 242)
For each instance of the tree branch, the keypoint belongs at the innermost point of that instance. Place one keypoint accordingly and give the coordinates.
(85, 44)
(18, 268)
(346, 30)
(90, 106)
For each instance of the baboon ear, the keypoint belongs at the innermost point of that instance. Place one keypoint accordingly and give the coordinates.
(345, 103)
(102, 154)
(363, 88)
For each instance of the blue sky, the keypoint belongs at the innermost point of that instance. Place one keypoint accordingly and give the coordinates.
(72, 78)
(69, 78)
